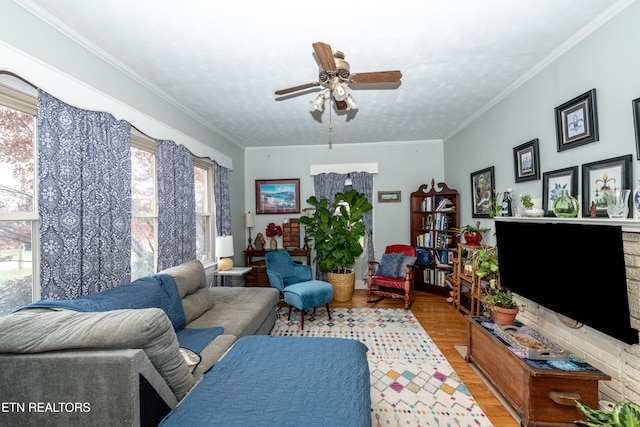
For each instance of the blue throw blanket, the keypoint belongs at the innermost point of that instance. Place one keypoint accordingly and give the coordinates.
(155, 290)
(196, 339)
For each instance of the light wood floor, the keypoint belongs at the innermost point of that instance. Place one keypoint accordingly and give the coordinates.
(448, 329)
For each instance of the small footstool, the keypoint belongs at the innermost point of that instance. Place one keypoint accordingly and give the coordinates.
(306, 295)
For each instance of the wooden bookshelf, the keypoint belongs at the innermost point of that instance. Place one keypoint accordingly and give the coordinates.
(434, 215)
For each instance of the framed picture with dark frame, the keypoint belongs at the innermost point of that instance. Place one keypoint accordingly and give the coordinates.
(525, 161)
(276, 196)
(577, 121)
(636, 124)
(554, 182)
(602, 176)
(482, 183)
(389, 196)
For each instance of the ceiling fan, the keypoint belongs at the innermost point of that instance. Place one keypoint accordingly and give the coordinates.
(335, 75)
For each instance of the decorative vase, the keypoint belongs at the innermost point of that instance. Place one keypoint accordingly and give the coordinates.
(273, 243)
(566, 206)
(472, 237)
(617, 203)
(636, 198)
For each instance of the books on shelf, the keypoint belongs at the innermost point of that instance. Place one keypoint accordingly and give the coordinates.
(423, 256)
(444, 204)
(427, 204)
(435, 277)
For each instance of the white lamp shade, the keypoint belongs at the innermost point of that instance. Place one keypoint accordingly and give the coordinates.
(248, 220)
(224, 246)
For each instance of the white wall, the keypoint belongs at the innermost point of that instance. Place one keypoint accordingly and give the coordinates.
(401, 166)
(607, 60)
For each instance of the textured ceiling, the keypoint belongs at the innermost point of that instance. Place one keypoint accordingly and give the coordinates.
(223, 61)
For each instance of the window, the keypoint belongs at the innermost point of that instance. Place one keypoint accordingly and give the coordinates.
(144, 207)
(204, 209)
(18, 212)
(19, 243)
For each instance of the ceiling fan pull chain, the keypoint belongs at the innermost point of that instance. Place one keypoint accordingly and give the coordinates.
(330, 113)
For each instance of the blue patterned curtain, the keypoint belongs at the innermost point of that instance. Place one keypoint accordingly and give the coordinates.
(176, 204)
(223, 205)
(363, 183)
(84, 194)
(222, 199)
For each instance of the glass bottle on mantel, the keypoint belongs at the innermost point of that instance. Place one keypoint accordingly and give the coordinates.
(566, 206)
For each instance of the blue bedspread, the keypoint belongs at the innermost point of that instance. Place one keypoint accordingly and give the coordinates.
(284, 382)
(155, 290)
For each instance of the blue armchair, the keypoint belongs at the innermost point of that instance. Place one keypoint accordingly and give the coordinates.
(283, 271)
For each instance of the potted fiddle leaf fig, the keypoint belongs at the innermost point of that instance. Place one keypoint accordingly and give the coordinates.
(336, 230)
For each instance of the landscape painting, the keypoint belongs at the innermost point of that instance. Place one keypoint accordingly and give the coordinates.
(275, 196)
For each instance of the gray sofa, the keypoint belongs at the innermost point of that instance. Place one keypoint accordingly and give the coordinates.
(119, 367)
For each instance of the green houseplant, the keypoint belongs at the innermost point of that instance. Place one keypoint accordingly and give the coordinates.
(624, 414)
(526, 201)
(472, 233)
(336, 230)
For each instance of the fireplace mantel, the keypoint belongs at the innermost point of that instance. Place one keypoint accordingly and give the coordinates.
(629, 225)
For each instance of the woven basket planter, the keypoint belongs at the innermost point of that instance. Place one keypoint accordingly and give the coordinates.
(343, 285)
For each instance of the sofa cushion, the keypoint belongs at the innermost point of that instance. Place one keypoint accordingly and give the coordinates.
(191, 281)
(197, 303)
(239, 310)
(189, 276)
(42, 330)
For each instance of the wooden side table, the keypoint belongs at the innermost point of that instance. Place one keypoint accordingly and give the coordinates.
(234, 272)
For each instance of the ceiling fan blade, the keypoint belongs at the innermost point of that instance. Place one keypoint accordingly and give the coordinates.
(376, 77)
(296, 88)
(325, 56)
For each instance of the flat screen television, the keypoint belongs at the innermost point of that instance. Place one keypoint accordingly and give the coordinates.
(577, 270)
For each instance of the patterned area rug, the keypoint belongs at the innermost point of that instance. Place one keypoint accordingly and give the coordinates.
(412, 383)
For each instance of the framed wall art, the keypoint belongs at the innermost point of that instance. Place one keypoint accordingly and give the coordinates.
(602, 176)
(525, 161)
(636, 124)
(577, 121)
(389, 196)
(275, 196)
(554, 182)
(482, 183)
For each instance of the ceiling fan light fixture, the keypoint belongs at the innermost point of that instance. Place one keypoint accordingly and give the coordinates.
(318, 103)
(351, 103)
(340, 91)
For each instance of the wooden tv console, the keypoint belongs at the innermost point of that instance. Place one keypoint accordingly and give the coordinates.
(540, 396)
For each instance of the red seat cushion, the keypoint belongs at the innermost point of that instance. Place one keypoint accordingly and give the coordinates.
(388, 282)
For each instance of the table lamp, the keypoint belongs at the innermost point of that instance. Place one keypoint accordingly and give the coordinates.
(224, 250)
(248, 219)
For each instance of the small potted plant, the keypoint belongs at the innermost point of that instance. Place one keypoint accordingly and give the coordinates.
(529, 209)
(504, 308)
(624, 414)
(472, 233)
